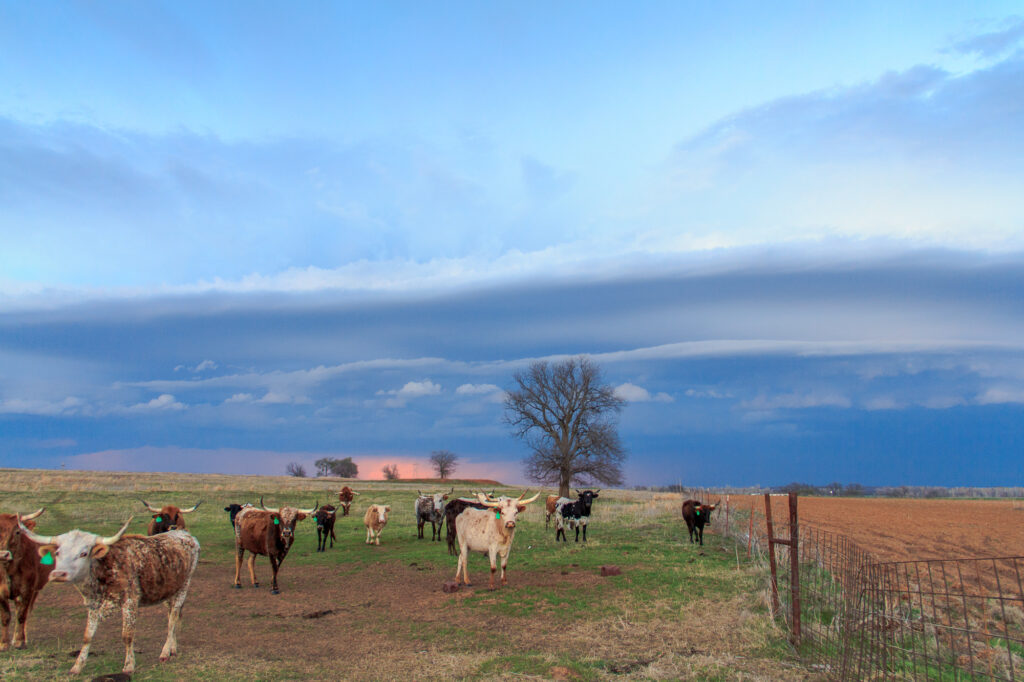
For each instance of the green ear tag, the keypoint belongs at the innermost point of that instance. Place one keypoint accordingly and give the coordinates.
(698, 512)
(498, 515)
(159, 519)
(47, 559)
(277, 521)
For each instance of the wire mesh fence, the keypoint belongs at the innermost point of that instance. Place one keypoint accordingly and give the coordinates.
(859, 618)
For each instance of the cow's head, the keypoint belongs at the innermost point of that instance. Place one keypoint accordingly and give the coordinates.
(233, 509)
(703, 511)
(323, 515)
(72, 553)
(382, 513)
(438, 501)
(167, 517)
(506, 509)
(10, 534)
(587, 497)
(345, 497)
(285, 518)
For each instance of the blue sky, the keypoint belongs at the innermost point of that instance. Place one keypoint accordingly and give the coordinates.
(242, 235)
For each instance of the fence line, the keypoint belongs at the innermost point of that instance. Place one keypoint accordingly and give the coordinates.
(862, 618)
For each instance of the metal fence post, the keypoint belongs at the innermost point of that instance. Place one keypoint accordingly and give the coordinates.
(750, 525)
(794, 566)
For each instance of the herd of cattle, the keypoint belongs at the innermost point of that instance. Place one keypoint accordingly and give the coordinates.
(127, 571)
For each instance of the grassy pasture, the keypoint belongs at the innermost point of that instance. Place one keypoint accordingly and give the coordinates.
(365, 612)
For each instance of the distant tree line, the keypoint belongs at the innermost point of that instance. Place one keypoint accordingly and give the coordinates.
(836, 489)
(342, 468)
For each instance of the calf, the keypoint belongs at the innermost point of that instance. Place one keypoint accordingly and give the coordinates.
(22, 574)
(697, 515)
(576, 513)
(488, 530)
(345, 497)
(451, 511)
(324, 516)
(553, 507)
(167, 517)
(430, 508)
(233, 509)
(375, 518)
(126, 571)
(267, 532)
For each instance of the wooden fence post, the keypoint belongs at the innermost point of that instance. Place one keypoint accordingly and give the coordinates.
(771, 553)
(794, 566)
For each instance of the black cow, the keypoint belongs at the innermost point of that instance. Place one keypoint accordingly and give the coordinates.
(452, 510)
(577, 514)
(233, 510)
(324, 527)
(697, 516)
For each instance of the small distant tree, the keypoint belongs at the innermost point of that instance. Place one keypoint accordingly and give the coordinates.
(567, 416)
(342, 468)
(443, 462)
(390, 472)
(295, 469)
(855, 490)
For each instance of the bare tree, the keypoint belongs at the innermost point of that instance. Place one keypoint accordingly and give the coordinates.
(390, 472)
(568, 417)
(443, 462)
(295, 469)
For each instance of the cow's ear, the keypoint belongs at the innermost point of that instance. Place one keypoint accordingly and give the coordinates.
(300, 516)
(99, 550)
(387, 508)
(227, 509)
(28, 524)
(47, 549)
(521, 508)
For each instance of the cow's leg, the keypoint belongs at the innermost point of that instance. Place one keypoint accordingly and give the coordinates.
(504, 562)
(419, 529)
(577, 531)
(238, 567)
(5, 621)
(332, 537)
(377, 536)
(463, 564)
(492, 554)
(367, 535)
(129, 610)
(25, 607)
(583, 522)
(174, 605)
(96, 614)
(274, 565)
(700, 533)
(252, 570)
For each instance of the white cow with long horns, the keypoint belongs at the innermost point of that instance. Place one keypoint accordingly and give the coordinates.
(488, 530)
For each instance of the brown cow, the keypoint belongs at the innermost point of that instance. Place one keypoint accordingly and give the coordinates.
(24, 575)
(269, 532)
(552, 504)
(345, 496)
(126, 572)
(375, 518)
(168, 517)
(696, 516)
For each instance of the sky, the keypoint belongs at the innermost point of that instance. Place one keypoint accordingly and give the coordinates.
(239, 235)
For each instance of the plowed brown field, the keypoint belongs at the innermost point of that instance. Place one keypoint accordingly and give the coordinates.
(902, 529)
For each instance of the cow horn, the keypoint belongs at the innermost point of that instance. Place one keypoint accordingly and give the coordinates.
(597, 491)
(116, 536)
(419, 492)
(193, 508)
(522, 496)
(272, 511)
(482, 497)
(40, 539)
(528, 501)
(33, 515)
(490, 503)
(354, 492)
(310, 511)
(452, 490)
(149, 506)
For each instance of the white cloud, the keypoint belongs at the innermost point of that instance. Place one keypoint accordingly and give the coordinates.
(638, 394)
(279, 398)
(204, 365)
(165, 401)
(999, 395)
(476, 389)
(68, 406)
(796, 401)
(412, 389)
(240, 398)
(709, 393)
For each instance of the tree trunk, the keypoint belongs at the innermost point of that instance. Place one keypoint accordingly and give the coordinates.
(563, 488)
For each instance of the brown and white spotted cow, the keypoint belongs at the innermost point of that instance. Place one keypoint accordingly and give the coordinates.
(22, 576)
(488, 530)
(126, 572)
(268, 532)
(168, 517)
(345, 497)
(375, 518)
